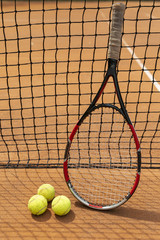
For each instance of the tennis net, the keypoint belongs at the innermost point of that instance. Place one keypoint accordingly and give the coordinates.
(52, 61)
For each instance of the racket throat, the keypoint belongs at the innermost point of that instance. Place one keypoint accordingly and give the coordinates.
(112, 72)
(112, 63)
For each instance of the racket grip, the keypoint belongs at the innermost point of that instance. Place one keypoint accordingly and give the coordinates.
(118, 10)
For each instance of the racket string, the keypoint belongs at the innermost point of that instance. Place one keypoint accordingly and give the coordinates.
(103, 158)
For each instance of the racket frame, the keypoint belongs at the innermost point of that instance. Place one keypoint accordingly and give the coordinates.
(111, 72)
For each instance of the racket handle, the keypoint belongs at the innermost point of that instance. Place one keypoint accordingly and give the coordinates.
(118, 10)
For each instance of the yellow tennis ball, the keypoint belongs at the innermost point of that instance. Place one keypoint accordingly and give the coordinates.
(37, 204)
(61, 205)
(47, 190)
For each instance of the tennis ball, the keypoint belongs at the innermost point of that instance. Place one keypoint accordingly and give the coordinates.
(37, 204)
(47, 191)
(61, 205)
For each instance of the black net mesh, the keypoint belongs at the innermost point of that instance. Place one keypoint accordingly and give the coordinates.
(52, 61)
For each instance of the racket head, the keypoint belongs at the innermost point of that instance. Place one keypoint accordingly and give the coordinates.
(102, 159)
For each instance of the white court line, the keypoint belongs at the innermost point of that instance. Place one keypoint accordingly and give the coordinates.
(146, 71)
(148, 15)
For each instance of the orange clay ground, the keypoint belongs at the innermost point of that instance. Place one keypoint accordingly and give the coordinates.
(139, 218)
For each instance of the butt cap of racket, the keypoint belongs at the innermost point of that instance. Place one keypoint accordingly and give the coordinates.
(118, 10)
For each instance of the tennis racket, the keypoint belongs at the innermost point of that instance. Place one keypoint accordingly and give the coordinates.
(102, 160)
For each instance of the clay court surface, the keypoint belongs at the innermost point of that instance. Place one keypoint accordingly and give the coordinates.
(139, 218)
(31, 136)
